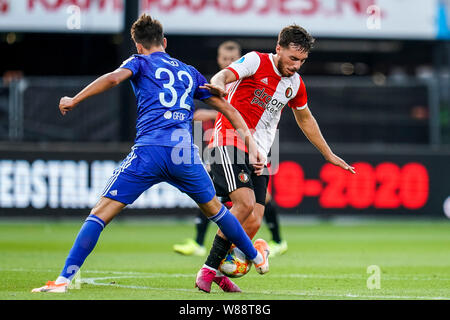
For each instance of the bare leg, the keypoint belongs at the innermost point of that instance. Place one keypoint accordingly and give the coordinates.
(106, 209)
(252, 224)
(243, 204)
(229, 226)
(103, 212)
(231, 231)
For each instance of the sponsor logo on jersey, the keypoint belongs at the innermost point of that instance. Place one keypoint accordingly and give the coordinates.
(179, 116)
(261, 98)
(266, 101)
(265, 80)
(240, 60)
(243, 177)
(174, 115)
(168, 115)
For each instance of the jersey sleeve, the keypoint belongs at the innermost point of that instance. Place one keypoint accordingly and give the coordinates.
(300, 101)
(132, 64)
(245, 66)
(199, 93)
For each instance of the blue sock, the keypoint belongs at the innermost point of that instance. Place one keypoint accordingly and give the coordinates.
(84, 244)
(234, 232)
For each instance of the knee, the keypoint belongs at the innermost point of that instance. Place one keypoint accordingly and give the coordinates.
(244, 208)
(94, 211)
(106, 209)
(98, 209)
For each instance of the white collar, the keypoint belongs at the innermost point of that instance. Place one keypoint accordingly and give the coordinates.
(273, 65)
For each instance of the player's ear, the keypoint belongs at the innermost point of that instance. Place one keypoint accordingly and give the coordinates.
(278, 48)
(139, 47)
(164, 43)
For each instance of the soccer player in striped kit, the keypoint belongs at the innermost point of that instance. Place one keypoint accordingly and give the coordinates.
(227, 52)
(264, 83)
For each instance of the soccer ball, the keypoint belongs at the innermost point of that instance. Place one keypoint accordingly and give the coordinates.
(235, 264)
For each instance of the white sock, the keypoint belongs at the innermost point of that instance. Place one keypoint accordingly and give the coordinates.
(208, 267)
(258, 259)
(219, 274)
(62, 280)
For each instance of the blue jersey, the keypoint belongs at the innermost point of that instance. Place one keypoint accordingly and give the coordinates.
(165, 90)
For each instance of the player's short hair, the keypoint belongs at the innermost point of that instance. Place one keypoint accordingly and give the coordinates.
(147, 31)
(297, 36)
(229, 46)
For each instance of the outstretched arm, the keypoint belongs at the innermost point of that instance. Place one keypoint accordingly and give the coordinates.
(221, 105)
(219, 82)
(100, 85)
(205, 115)
(310, 128)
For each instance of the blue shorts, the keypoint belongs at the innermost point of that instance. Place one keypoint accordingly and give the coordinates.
(146, 166)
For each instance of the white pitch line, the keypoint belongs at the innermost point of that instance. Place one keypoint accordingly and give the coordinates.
(93, 281)
(127, 274)
(423, 277)
(354, 276)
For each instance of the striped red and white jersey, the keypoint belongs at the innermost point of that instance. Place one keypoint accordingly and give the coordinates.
(259, 94)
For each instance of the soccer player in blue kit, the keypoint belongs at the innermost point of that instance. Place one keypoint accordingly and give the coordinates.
(163, 151)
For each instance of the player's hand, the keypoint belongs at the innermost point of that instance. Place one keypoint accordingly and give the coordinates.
(66, 104)
(257, 161)
(215, 90)
(334, 159)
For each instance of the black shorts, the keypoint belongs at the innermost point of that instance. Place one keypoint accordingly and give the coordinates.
(231, 170)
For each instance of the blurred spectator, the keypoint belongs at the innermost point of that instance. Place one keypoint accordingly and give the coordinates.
(424, 72)
(419, 112)
(398, 74)
(11, 75)
(228, 52)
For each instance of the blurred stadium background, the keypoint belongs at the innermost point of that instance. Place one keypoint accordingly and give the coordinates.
(378, 82)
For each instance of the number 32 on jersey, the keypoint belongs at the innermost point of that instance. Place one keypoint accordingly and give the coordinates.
(169, 100)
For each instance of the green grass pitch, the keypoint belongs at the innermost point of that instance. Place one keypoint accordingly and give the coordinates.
(134, 260)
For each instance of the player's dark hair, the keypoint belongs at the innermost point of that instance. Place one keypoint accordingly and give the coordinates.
(147, 31)
(296, 35)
